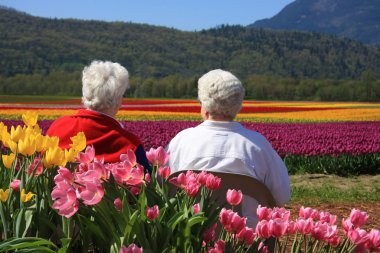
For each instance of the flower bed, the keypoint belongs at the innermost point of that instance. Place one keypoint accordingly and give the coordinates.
(54, 202)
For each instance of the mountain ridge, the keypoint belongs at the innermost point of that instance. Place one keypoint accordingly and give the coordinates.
(358, 20)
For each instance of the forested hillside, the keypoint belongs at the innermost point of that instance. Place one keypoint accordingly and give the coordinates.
(46, 56)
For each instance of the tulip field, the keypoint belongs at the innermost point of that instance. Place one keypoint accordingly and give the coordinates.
(314, 137)
(56, 200)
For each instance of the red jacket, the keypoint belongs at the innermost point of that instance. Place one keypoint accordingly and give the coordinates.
(108, 137)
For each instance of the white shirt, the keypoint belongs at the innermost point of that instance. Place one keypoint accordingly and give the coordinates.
(230, 147)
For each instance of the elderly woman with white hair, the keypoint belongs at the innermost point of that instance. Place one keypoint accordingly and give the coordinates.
(220, 144)
(103, 86)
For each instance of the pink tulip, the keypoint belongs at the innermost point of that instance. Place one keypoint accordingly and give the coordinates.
(263, 247)
(347, 225)
(92, 192)
(164, 172)
(129, 158)
(292, 228)
(374, 240)
(99, 168)
(192, 188)
(225, 216)
(327, 217)
(179, 181)
(202, 177)
(157, 157)
(358, 236)
(213, 182)
(136, 176)
(147, 178)
(15, 185)
(36, 166)
(152, 212)
(64, 175)
(263, 213)
(334, 241)
(196, 208)
(234, 197)
(65, 199)
(263, 229)
(237, 223)
(281, 213)
(132, 248)
(246, 235)
(87, 156)
(324, 231)
(304, 226)
(220, 245)
(307, 212)
(358, 218)
(277, 227)
(209, 234)
(118, 205)
(135, 190)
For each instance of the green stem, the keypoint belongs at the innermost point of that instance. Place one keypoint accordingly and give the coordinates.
(4, 222)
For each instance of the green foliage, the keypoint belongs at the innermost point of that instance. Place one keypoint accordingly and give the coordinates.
(343, 164)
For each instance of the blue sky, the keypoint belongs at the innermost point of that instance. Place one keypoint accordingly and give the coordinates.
(188, 15)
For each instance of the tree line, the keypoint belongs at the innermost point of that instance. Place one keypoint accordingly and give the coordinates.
(259, 87)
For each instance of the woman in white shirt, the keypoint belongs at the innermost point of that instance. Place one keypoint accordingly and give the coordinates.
(221, 144)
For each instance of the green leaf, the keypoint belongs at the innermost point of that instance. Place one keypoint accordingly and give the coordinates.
(178, 217)
(27, 244)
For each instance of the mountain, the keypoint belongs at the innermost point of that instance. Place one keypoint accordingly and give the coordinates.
(355, 19)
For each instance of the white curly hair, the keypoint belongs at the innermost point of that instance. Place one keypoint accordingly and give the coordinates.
(221, 93)
(103, 85)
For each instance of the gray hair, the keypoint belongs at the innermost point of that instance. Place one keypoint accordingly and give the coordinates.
(221, 93)
(103, 85)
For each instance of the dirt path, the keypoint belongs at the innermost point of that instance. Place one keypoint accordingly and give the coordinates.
(343, 209)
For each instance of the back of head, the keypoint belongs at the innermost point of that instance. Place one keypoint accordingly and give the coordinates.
(221, 93)
(103, 85)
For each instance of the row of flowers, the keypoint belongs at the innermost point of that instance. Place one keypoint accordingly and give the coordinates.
(134, 109)
(287, 138)
(320, 115)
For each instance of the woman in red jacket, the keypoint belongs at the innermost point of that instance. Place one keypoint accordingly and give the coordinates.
(103, 86)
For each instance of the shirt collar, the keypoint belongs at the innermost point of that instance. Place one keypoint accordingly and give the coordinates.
(225, 125)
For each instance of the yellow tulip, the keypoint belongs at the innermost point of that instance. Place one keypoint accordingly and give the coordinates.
(78, 141)
(54, 156)
(33, 131)
(71, 155)
(30, 118)
(3, 129)
(4, 195)
(11, 145)
(8, 160)
(40, 143)
(51, 142)
(17, 133)
(25, 197)
(27, 146)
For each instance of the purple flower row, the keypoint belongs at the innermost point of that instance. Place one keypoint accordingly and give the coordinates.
(287, 138)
